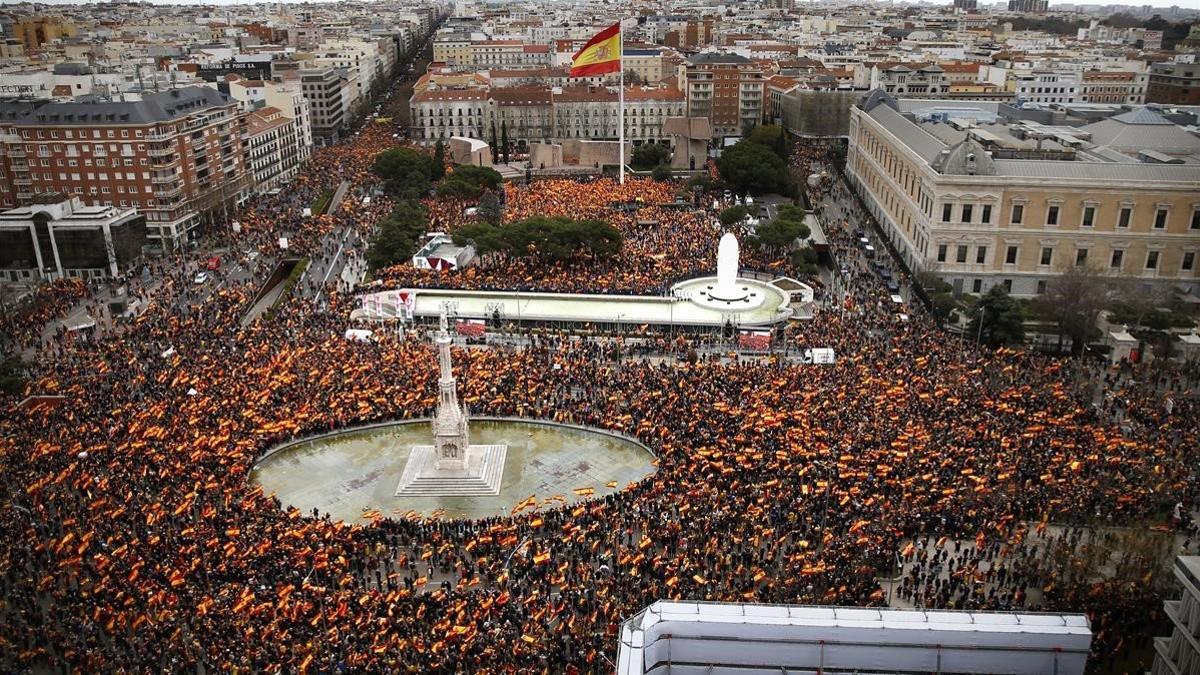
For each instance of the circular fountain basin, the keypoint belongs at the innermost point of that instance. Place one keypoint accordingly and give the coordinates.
(348, 473)
(741, 295)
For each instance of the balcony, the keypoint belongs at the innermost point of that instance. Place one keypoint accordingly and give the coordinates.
(162, 179)
(16, 151)
(164, 195)
(22, 181)
(160, 151)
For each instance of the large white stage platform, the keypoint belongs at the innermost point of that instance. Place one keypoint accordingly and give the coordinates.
(695, 638)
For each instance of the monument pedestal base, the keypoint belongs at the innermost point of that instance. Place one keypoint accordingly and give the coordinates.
(480, 477)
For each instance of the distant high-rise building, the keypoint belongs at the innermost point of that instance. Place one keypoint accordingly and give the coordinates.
(1029, 6)
(966, 4)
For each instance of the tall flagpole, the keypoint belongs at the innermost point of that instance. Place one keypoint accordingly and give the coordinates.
(621, 103)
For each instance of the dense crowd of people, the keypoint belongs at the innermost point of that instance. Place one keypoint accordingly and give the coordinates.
(664, 240)
(134, 542)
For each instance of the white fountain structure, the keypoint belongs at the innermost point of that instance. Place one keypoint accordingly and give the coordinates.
(726, 292)
(451, 467)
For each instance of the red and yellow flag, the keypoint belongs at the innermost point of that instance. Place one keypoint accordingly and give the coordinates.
(601, 54)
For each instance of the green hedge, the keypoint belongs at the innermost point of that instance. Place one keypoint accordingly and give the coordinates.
(288, 284)
(322, 202)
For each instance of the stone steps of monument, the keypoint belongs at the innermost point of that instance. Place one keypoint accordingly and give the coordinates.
(484, 485)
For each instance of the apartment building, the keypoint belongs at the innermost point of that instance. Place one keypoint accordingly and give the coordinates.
(272, 152)
(1180, 653)
(1174, 82)
(453, 50)
(1047, 86)
(288, 98)
(176, 156)
(645, 64)
(444, 113)
(1017, 203)
(1029, 6)
(1098, 86)
(329, 95)
(728, 89)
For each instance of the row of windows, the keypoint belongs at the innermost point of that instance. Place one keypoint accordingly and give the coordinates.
(1162, 216)
(1046, 259)
(83, 134)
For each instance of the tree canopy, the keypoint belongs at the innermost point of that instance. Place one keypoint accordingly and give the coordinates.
(772, 137)
(396, 239)
(781, 234)
(1073, 301)
(754, 168)
(406, 173)
(734, 215)
(650, 155)
(1003, 322)
(12, 374)
(469, 182)
(553, 239)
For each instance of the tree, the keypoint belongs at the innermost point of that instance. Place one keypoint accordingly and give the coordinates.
(396, 239)
(555, 240)
(633, 78)
(504, 140)
(1073, 301)
(804, 260)
(495, 147)
(997, 318)
(734, 215)
(490, 209)
(12, 374)
(700, 180)
(780, 234)
(941, 296)
(661, 173)
(772, 137)
(406, 172)
(468, 182)
(650, 155)
(750, 167)
(483, 177)
(439, 160)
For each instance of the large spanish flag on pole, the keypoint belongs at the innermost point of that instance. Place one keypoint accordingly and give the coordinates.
(601, 54)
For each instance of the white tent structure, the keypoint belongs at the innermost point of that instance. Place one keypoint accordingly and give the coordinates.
(700, 638)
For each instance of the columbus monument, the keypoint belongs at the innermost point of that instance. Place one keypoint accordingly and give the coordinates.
(451, 467)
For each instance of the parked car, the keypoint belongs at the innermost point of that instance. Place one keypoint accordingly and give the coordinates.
(201, 277)
(212, 263)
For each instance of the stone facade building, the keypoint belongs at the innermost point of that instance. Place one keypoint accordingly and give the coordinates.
(538, 113)
(981, 207)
